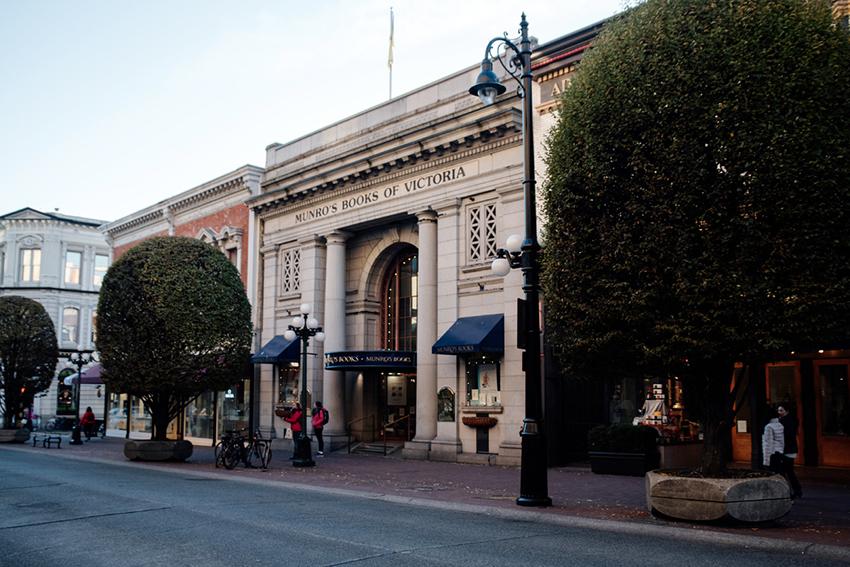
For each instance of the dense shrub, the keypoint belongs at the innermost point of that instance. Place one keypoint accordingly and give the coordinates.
(173, 322)
(28, 354)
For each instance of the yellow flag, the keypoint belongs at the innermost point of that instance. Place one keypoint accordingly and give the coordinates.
(392, 41)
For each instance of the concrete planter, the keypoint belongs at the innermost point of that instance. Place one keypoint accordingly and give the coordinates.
(702, 499)
(14, 435)
(626, 464)
(158, 450)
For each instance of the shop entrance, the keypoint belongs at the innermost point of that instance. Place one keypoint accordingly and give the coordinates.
(817, 394)
(832, 384)
(783, 387)
(396, 406)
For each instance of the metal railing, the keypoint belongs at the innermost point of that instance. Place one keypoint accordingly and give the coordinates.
(391, 425)
(348, 427)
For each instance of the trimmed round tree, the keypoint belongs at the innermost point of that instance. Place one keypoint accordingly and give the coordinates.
(28, 354)
(696, 188)
(173, 322)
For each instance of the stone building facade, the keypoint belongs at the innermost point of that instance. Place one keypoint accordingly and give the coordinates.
(58, 260)
(386, 223)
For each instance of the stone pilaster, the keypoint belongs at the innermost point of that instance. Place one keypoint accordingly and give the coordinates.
(334, 326)
(446, 445)
(426, 335)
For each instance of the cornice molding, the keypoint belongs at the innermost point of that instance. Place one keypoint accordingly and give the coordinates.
(265, 205)
(246, 178)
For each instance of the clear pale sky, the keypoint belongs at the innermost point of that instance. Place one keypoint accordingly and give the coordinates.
(109, 106)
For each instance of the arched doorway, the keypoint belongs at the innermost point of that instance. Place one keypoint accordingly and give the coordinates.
(399, 311)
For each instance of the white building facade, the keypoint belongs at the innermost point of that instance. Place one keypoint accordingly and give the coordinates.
(59, 261)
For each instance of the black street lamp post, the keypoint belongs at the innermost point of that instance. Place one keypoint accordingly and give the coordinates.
(79, 359)
(522, 253)
(303, 327)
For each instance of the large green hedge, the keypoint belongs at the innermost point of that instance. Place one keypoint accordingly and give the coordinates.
(28, 354)
(698, 178)
(173, 322)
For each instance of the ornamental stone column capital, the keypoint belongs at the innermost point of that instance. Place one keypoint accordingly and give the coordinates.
(337, 237)
(428, 215)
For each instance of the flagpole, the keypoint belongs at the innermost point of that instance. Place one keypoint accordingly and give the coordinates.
(390, 56)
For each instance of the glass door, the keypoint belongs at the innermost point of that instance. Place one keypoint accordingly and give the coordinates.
(783, 388)
(832, 380)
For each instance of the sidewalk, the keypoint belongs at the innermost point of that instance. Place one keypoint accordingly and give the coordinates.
(822, 517)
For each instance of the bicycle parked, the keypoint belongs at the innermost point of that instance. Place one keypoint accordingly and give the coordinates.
(235, 447)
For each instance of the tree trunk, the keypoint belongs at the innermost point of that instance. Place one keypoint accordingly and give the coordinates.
(160, 417)
(11, 407)
(717, 421)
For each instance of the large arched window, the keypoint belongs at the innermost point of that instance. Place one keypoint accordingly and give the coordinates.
(400, 302)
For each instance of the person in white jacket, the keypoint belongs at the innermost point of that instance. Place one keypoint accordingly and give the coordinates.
(772, 442)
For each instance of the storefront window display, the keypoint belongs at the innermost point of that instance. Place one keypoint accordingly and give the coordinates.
(622, 407)
(445, 405)
(483, 382)
(65, 403)
(663, 408)
(117, 412)
(140, 419)
(199, 416)
(289, 384)
(233, 406)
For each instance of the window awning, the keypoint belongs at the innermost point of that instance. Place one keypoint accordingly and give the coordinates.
(92, 375)
(278, 351)
(89, 376)
(470, 335)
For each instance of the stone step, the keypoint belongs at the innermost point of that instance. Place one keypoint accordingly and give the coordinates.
(375, 448)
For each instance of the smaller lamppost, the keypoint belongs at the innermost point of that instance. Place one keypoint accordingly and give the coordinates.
(79, 359)
(303, 327)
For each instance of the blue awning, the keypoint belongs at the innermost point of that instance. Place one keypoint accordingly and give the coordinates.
(470, 335)
(278, 351)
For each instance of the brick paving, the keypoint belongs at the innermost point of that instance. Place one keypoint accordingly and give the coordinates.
(821, 517)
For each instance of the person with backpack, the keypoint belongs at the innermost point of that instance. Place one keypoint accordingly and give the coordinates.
(320, 418)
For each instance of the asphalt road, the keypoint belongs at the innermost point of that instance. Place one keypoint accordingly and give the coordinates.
(59, 512)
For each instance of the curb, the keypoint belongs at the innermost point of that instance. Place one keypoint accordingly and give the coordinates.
(759, 543)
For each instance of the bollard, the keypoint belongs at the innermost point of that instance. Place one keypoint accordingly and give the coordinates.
(76, 438)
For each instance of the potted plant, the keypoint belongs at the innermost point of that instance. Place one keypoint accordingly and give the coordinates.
(623, 449)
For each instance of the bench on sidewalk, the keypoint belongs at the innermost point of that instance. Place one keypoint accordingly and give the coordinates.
(47, 441)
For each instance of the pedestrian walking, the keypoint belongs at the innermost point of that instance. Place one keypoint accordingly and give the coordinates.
(320, 418)
(789, 425)
(87, 422)
(773, 443)
(294, 421)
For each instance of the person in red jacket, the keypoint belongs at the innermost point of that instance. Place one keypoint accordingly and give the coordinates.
(87, 423)
(294, 421)
(320, 418)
